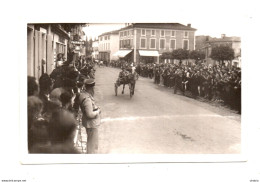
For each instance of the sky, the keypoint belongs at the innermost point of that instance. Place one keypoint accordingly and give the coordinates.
(96, 29)
(212, 28)
(213, 18)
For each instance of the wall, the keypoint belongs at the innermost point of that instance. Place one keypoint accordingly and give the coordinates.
(40, 46)
(237, 48)
(114, 46)
(179, 37)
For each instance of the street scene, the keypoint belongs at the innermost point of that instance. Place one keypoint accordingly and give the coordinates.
(132, 88)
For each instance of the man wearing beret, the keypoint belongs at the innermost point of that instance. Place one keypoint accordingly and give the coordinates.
(91, 115)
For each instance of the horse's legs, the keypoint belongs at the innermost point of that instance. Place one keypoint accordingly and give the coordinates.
(133, 88)
(116, 89)
(123, 88)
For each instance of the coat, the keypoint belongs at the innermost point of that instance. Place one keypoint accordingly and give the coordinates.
(91, 116)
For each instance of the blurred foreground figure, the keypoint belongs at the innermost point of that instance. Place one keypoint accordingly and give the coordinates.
(62, 128)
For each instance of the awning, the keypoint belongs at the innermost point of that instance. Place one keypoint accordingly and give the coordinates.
(122, 53)
(149, 53)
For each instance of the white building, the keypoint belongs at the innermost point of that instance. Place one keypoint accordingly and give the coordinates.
(95, 52)
(108, 45)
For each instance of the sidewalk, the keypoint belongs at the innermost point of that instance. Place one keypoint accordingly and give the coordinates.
(80, 139)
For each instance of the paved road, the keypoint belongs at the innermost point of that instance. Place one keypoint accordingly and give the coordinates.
(156, 121)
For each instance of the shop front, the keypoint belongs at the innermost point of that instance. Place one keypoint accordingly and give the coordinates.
(124, 55)
(148, 56)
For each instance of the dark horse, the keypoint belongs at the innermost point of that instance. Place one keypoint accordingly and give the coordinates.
(130, 81)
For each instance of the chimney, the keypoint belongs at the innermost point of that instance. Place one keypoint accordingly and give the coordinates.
(189, 25)
(223, 36)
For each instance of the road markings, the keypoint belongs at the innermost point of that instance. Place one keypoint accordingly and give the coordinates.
(131, 118)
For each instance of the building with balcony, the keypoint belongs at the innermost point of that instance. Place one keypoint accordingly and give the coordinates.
(44, 43)
(145, 42)
(108, 46)
(76, 44)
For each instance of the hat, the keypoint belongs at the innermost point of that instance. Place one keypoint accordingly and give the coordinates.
(89, 82)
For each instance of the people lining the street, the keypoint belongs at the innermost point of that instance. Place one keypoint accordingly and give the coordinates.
(217, 83)
(51, 109)
(54, 103)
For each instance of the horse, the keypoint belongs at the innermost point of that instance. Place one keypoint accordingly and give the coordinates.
(130, 80)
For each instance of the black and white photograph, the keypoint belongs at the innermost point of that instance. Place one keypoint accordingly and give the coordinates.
(133, 88)
(130, 91)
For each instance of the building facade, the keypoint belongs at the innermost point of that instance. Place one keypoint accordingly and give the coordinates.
(95, 52)
(145, 42)
(77, 43)
(206, 43)
(108, 46)
(44, 43)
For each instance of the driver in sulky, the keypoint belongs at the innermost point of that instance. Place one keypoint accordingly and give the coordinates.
(122, 75)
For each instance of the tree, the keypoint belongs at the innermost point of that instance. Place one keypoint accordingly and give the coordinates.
(197, 55)
(180, 54)
(166, 55)
(69, 26)
(222, 53)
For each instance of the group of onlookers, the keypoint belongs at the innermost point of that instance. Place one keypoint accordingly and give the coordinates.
(55, 103)
(215, 83)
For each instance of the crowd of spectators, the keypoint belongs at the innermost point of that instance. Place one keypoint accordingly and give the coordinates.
(218, 83)
(53, 108)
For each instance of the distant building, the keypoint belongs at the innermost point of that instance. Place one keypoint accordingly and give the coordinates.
(108, 45)
(44, 42)
(145, 42)
(95, 52)
(206, 43)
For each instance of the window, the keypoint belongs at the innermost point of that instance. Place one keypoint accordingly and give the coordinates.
(100, 38)
(121, 43)
(152, 43)
(143, 32)
(173, 44)
(153, 32)
(124, 33)
(132, 32)
(143, 43)
(186, 44)
(108, 37)
(105, 37)
(162, 33)
(173, 33)
(162, 43)
(186, 34)
(121, 34)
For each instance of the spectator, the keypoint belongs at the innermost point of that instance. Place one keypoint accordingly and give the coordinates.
(62, 129)
(215, 83)
(45, 83)
(32, 86)
(67, 86)
(35, 107)
(91, 115)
